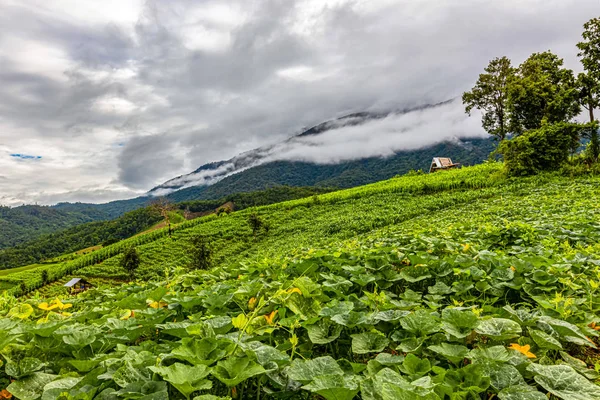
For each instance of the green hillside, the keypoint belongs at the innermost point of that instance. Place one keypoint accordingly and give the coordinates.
(463, 284)
(26, 223)
(131, 223)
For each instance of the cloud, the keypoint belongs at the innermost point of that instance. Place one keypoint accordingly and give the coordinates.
(182, 83)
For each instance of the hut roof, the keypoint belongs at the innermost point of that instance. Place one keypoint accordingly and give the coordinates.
(74, 281)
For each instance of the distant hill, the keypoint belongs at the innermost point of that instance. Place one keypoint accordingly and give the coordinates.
(248, 172)
(20, 224)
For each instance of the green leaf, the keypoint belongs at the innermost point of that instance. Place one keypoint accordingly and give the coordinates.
(235, 370)
(187, 379)
(80, 338)
(564, 382)
(521, 392)
(305, 371)
(421, 322)
(543, 340)
(205, 351)
(499, 328)
(30, 387)
(493, 353)
(453, 352)
(26, 366)
(459, 323)
(368, 342)
(211, 397)
(502, 375)
(334, 387)
(144, 391)
(415, 366)
(324, 331)
(129, 373)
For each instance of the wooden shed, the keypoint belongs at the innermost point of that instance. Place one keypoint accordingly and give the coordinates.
(78, 285)
(441, 163)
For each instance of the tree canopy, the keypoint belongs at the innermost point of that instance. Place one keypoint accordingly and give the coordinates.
(490, 95)
(542, 90)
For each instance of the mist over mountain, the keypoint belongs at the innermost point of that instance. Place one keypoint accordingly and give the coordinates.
(356, 136)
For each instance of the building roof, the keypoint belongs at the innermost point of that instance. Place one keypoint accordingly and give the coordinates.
(72, 282)
(442, 162)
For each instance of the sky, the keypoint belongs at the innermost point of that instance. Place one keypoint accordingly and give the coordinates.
(103, 100)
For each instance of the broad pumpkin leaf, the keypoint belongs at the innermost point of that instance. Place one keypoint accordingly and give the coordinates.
(324, 331)
(453, 352)
(502, 375)
(414, 366)
(499, 328)
(305, 371)
(544, 341)
(421, 322)
(564, 382)
(334, 387)
(152, 390)
(26, 366)
(31, 387)
(211, 397)
(459, 323)
(129, 373)
(368, 342)
(265, 354)
(204, 351)
(235, 370)
(185, 378)
(521, 392)
(53, 389)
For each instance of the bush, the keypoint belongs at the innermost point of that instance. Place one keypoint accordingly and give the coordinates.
(543, 149)
(130, 261)
(201, 253)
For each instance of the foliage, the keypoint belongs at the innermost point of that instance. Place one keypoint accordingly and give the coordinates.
(589, 52)
(490, 95)
(543, 149)
(78, 237)
(542, 90)
(130, 261)
(201, 253)
(470, 293)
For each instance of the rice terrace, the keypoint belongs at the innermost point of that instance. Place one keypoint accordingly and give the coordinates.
(462, 267)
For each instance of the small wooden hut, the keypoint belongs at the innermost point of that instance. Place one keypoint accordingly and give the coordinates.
(441, 163)
(77, 285)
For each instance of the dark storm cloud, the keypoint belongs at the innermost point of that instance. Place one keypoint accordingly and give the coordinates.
(134, 93)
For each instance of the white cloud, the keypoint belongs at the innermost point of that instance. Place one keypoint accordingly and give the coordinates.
(118, 96)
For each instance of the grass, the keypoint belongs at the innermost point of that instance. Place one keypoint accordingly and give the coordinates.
(462, 284)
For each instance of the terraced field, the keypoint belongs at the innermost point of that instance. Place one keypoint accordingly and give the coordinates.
(458, 285)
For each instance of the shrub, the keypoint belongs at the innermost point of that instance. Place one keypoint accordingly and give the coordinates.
(130, 261)
(543, 149)
(201, 253)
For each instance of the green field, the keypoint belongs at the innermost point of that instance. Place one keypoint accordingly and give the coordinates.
(458, 285)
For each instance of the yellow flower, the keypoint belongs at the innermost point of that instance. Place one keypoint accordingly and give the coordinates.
(156, 304)
(513, 268)
(466, 246)
(252, 303)
(295, 290)
(270, 317)
(127, 314)
(47, 307)
(522, 349)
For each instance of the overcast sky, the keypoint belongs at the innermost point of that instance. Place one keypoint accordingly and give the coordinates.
(101, 100)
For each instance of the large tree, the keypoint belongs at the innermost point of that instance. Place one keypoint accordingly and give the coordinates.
(589, 52)
(542, 90)
(589, 81)
(490, 96)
